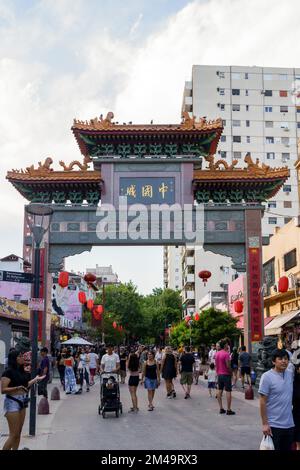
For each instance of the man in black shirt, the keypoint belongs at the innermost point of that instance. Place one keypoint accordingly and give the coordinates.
(186, 368)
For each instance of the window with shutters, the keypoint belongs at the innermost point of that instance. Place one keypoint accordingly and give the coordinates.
(290, 259)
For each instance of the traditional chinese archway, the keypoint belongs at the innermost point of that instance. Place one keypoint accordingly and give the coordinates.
(157, 164)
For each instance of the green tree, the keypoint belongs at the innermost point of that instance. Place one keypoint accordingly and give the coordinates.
(180, 335)
(123, 304)
(161, 309)
(212, 326)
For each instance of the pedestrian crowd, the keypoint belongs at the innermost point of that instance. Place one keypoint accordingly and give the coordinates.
(279, 388)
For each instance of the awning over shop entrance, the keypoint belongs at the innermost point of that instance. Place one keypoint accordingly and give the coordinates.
(274, 327)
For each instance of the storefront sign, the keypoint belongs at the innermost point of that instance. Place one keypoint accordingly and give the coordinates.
(36, 304)
(236, 292)
(255, 294)
(12, 276)
(64, 322)
(14, 310)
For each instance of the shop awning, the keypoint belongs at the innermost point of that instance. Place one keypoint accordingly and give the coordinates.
(267, 320)
(274, 327)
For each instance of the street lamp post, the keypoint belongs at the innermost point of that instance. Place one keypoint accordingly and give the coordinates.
(38, 218)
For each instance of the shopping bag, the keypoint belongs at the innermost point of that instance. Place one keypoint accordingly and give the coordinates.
(266, 443)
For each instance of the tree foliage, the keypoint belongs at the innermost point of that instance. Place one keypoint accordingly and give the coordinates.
(144, 318)
(212, 326)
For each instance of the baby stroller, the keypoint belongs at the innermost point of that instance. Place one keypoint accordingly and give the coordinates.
(109, 394)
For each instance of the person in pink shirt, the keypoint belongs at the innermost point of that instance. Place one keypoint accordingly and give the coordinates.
(223, 369)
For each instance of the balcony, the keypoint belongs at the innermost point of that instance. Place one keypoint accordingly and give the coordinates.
(190, 261)
(188, 295)
(189, 279)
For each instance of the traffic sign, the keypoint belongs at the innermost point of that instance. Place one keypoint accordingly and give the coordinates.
(12, 276)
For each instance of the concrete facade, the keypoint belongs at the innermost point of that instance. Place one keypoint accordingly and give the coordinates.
(105, 273)
(12, 263)
(172, 267)
(282, 258)
(260, 115)
(194, 260)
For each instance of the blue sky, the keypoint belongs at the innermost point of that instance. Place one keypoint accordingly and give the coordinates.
(61, 59)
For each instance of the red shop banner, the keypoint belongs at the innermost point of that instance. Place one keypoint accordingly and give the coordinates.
(254, 273)
(41, 293)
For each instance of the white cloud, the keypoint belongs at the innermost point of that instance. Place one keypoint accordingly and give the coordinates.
(229, 32)
(135, 25)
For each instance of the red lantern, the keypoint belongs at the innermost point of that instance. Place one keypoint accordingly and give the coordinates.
(89, 277)
(204, 275)
(82, 297)
(63, 279)
(99, 308)
(90, 304)
(96, 314)
(238, 306)
(196, 316)
(114, 325)
(283, 284)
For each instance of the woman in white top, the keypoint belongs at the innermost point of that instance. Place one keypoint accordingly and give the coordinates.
(158, 357)
(93, 365)
(197, 369)
(212, 378)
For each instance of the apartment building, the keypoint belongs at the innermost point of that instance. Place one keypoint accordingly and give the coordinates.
(261, 115)
(105, 273)
(194, 291)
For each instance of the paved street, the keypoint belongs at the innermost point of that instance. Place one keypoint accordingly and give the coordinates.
(74, 423)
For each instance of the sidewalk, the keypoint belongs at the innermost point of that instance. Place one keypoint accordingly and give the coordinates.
(43, 422)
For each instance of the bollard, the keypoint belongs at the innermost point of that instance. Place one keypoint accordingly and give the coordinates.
(55, 395)
(249, 394)
(43, 408)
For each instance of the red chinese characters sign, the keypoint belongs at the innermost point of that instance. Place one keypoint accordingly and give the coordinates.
(254, 273)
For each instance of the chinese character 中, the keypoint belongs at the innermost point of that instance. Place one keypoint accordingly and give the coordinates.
(131, 190)
(163, 189)
(147, 190)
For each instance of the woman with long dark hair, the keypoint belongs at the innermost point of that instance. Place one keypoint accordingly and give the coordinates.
(151, 374)
(133, 364)
(169, 371)
(15, 384)
(70, 380)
